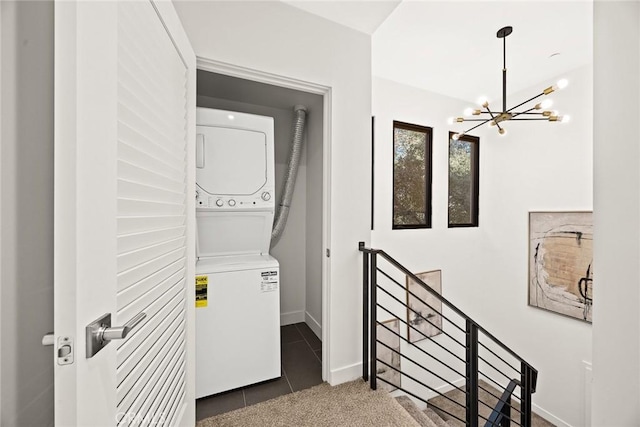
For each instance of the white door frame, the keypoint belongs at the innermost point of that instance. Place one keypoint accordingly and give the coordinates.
(317, 89)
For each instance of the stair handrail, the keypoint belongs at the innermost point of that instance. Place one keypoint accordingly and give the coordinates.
(501, 412)
(445, 302)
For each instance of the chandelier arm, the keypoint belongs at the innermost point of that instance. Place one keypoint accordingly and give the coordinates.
(532, 118)
(515, 114)
(522, 103)
(476, 126)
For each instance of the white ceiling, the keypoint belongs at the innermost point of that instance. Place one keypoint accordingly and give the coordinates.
(450, 47)
(361, 15)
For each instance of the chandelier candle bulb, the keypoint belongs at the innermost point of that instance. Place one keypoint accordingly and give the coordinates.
(544, 104)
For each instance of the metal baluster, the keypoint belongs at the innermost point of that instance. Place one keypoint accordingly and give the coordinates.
(472, 373)
(526, 395)
(373, 280)
(506, 412)
(365, 313)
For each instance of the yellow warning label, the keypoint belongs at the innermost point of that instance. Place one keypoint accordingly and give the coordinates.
(202, 283)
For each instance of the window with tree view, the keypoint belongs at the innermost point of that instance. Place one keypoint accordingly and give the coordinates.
(463, 181)
(411, 176)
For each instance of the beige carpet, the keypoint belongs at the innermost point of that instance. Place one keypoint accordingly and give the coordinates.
(351, 404)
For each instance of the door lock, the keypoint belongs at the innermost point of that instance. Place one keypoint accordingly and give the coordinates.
(64, 348)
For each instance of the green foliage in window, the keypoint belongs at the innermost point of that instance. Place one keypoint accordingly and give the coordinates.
(463, 185)
(460, 182)
(411, 202)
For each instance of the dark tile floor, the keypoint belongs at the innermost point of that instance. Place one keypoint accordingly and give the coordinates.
(301, 368)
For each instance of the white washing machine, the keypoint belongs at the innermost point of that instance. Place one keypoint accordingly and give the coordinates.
(237, 281)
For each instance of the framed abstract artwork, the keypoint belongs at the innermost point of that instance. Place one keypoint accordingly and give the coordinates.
(424, 310)
(561, 262)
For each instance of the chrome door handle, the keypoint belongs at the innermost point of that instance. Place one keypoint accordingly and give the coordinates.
(99, 333)
(119, 332)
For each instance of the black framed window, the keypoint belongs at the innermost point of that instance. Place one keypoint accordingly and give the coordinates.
(464, 177)
(412, 149)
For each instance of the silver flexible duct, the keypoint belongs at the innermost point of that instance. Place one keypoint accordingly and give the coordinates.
(282, 210)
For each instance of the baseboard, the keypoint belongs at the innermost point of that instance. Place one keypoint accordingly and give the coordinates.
(550, 417)
(291, 317)
(345, 374)
(313, 324)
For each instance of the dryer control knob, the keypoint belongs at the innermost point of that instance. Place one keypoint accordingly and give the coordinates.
(266, 196)
(231, 202)
(219, 202)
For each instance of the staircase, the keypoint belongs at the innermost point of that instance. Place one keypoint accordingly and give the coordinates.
(430, 418)
(421, 347)
(426, 417)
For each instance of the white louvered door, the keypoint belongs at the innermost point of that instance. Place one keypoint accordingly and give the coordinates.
(124, 215)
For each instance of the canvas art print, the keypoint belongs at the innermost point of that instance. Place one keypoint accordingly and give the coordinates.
(561, 262)
(424, 310)
(388, 356)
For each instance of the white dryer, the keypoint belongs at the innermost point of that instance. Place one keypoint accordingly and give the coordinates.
(237, 281)
(238, 326)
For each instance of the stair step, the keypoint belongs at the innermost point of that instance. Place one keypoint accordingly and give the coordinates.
(421, 417)
(460, 411)
(437, 418)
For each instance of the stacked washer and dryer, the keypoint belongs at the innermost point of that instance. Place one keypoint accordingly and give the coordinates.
(237, 281)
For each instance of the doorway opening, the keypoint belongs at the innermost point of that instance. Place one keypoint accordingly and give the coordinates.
(300, 250)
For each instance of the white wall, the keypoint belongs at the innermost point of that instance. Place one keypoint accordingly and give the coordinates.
(537, 166)
(616, 318)
(275, 38)
(26, 392)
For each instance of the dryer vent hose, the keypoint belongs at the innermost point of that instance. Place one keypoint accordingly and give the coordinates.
(289, 183)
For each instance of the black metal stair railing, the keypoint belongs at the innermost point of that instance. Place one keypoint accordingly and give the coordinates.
(462, 371)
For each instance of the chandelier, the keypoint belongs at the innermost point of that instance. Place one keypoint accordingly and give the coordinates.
(485, 114)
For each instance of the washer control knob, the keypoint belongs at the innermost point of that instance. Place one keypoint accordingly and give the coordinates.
(266, 196)
(219, 202)
(231, 202)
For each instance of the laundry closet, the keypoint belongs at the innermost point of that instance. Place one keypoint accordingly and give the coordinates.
(299, 249)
